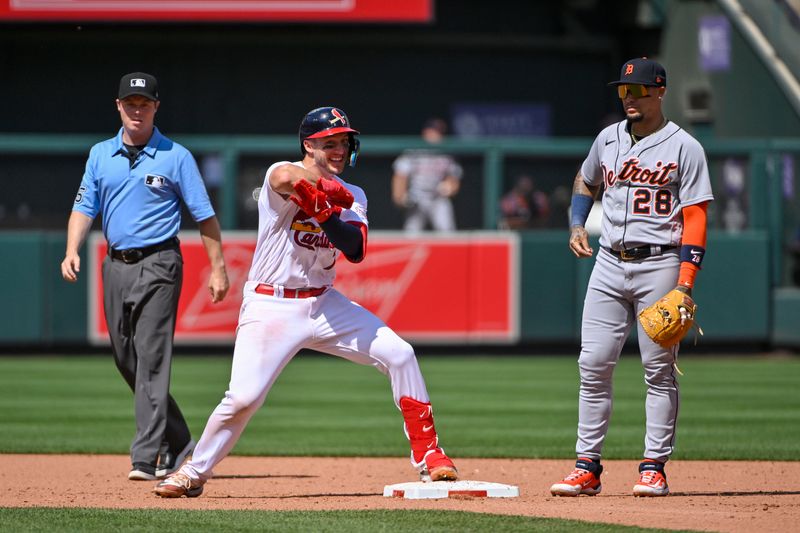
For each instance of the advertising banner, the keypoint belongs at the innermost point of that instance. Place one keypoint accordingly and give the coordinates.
(317, 11)
(461, 288)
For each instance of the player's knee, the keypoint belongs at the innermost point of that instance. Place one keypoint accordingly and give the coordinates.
(400, 354)
(595, 368)
(658, 373)
(405, 354)
(242, 402)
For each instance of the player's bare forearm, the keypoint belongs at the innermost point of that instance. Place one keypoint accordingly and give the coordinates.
(211, 236)
(77, 229)
(400, 189)
(579, 186)
(283, 178)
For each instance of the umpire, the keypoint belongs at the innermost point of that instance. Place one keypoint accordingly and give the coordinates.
(138, 180)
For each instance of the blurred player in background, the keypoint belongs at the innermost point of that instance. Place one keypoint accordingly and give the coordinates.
(425, 181)
(308, 216)
(138, 181)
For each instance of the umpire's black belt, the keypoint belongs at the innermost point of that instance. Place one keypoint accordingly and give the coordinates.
(134, 255)
(640, 252)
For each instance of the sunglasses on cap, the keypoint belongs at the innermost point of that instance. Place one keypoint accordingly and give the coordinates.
(637, 91)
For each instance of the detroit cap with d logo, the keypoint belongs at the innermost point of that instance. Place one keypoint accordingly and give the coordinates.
(138, 83)
(642, 71)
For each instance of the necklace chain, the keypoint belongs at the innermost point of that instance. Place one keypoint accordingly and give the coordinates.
(636, 138)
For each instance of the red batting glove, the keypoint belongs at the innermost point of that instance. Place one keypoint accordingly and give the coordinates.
(312, 201)
(336, 192)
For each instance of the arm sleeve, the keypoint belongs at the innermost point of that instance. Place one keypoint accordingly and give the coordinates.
(695, 219)
(350, 238)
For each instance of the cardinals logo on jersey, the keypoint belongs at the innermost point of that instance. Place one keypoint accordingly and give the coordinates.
(306, 233)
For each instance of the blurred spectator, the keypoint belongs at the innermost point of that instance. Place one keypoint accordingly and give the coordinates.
(559, 207)
(524, 207)
(424, 182)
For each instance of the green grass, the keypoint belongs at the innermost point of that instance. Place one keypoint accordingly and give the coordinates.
(102, 520)
(731, 408)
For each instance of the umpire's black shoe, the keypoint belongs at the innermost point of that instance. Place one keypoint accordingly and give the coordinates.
(142, 472)
(169, 461)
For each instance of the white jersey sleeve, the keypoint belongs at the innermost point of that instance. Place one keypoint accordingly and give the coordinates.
(292, 251)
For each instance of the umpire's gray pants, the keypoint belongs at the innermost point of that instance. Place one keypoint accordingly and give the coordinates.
(141, 304)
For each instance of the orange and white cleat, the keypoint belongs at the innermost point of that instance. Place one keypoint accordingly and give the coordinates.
(585, 479)
(652, 479)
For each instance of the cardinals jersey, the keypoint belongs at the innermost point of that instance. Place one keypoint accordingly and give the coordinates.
(292, 250)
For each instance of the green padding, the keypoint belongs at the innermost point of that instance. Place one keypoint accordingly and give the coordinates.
(65, 304)
(39, 307)
(547, 307)
(23, 293)
(786, 317)
(732, 290)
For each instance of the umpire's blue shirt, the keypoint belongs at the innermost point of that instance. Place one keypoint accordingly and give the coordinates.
(141, 203)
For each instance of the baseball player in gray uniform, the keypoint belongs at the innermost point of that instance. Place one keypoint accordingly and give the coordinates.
(656, 190)
(425, 181)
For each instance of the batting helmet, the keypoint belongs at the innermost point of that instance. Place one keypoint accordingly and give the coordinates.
(326, 121)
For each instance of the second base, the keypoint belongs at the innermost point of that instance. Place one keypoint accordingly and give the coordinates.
(419, 490)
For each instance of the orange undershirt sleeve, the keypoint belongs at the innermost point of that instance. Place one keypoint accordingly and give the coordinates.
(695, 219)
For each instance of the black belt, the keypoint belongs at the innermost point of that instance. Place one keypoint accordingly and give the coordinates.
(640, 252)
(134, 255)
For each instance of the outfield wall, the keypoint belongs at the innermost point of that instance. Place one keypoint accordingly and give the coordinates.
(736, 301)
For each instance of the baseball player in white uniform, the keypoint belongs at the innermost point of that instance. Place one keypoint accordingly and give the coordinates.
(308, 216)
(425, 181)
(653, 237)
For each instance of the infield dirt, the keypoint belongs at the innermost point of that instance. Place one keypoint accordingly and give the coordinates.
(710, 496)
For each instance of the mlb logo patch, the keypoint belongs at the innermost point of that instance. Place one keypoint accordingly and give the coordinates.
(154, 180)
(138, 82)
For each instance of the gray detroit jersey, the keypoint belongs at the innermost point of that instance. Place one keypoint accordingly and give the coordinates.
(646, 184)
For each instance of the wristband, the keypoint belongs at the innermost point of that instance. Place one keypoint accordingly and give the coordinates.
(581, 206)
(686, 274)
(691, 253)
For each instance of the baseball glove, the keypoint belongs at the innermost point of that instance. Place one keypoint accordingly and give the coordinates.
(336, 192)
(313, 202)
(669, 319)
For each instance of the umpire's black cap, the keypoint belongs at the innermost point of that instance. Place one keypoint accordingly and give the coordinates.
(138, 83)
(642, 71)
